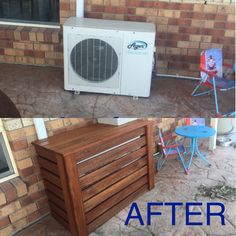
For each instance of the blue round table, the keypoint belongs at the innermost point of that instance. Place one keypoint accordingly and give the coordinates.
(194, 133)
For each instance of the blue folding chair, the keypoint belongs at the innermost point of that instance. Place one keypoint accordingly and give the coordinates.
(213, 77)
(170, 149)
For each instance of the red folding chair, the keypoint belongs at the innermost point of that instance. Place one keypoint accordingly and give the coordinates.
(170, 149)
(214, 76)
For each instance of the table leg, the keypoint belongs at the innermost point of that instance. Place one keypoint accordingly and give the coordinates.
(201, 156)
(193, 151)
(182, 161)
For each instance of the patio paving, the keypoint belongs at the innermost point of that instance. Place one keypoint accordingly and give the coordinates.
(38, 91)
(171, 185)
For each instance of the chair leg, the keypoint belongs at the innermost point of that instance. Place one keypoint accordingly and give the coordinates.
(195, 94)
(196, 88)
(216, 96)
(182, 161)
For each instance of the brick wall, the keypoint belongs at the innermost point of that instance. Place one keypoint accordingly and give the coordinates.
(23, 199)
(184, 28)
(35, 46)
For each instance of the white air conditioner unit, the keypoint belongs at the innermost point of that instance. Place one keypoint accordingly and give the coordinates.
(105, 56)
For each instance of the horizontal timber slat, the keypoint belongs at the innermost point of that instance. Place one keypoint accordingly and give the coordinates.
(53, 198)
(60, 212)
(53, 188)
(51, 177)
(48, 165)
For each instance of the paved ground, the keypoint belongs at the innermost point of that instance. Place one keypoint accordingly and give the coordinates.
(171, 185)
(38, 91)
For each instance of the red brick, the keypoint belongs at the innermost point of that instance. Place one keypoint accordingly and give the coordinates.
(33, 216)
(48, 35)
(6, 43)
(18, 145)
(219, 25)
(39, 54)
(178, 65)
(29, 53)
(9, 190)
(4, 222)
(26, 172)
(25, 34)
(25, 201)
(133, 3)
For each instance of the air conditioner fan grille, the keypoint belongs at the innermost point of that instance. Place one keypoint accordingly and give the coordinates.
(94, 60)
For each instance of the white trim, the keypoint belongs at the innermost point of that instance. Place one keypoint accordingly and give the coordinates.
(29, 24)
(214, 124)
(8, 178)
(1, 125)
(10, 155)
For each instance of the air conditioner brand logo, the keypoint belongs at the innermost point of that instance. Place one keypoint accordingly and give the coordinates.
(137, 45)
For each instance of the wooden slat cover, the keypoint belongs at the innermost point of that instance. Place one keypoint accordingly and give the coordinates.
(83, 138)
(85, 182)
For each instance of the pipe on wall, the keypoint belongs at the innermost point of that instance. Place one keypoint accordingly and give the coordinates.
(178, 77)
(80, 8)
(40, 128)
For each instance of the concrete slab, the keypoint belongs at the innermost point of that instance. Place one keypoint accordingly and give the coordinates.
(171, 185)
(38, 91)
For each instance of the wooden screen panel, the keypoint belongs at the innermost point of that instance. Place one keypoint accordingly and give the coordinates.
(90, 174)
(53, 188)
(111, 177)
